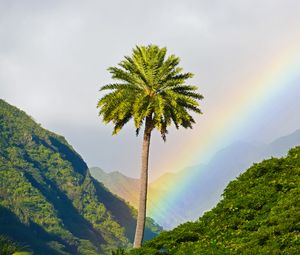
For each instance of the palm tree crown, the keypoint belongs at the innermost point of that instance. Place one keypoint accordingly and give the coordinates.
(149, 85)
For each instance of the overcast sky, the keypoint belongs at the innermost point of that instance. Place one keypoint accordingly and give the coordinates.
(54, 57)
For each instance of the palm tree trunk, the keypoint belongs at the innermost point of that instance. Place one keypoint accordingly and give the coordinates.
(140, 225)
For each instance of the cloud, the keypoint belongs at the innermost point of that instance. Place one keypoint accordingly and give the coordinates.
(54, 56)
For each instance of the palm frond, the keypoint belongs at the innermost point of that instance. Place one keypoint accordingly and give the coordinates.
(150, 85)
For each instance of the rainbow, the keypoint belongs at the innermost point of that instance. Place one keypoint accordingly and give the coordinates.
(245, 104)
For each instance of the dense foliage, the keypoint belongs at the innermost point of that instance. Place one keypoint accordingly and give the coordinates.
(9, 247)
(149, 85)
(49, 201)
(259, 214)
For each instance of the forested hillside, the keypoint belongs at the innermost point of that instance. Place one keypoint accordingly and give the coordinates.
(48, 200)
(259, 214)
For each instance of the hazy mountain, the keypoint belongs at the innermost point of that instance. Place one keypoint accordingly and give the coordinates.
(259, 214)
(122, 186)
(205, 182)
(48, 199)
(119, 184)
(280, 145)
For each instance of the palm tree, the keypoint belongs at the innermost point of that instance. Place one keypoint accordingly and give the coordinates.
(151, 90)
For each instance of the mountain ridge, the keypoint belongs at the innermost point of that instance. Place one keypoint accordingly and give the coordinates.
(48, 198)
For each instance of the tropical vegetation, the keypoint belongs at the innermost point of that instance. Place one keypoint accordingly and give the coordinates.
(9, 247)
(259, 214)
(48, 200)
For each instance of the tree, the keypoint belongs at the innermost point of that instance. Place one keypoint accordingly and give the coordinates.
(151, 90)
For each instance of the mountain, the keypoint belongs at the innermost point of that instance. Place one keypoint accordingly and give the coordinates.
(259, 214)
(278, 147)
(162, 181)
(48, 199)
(206, 182)
(119, 184)
(123, 186)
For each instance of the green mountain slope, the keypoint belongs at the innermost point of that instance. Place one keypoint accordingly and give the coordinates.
(259, 214)
(48, 199)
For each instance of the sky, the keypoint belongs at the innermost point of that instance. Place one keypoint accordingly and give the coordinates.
(54, 57)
